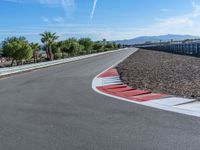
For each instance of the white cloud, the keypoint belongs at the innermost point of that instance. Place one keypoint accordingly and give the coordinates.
(196, 11)
(165, 10)
(59, 20)
(183, 24)
(67, 5)
(179, 24)
(93, 9)
(64, 30)
(55, 20)
(14, 1)
(45, 19)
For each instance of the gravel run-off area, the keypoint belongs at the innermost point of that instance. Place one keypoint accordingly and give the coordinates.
(162, 72)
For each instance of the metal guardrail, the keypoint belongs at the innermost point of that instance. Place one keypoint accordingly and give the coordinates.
(192, 49)
(18, 69)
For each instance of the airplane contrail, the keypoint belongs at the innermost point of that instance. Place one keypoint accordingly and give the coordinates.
(93, 9)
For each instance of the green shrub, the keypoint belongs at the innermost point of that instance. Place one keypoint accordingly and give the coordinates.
(65, 55)
(17, 48)
(57, 53)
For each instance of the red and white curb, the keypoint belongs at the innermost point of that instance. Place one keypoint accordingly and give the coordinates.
(108, 83)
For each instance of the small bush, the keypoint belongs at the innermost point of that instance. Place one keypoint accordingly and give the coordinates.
(57, 55)
(65, 55)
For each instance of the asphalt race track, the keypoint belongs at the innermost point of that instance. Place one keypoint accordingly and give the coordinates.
(56, 109)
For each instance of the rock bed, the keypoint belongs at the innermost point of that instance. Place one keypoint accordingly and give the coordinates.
(162, 72)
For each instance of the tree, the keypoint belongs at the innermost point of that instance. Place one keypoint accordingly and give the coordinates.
(1, 52)
(74, 48)
(35, 47)
(17, 48)
(104, 42)
(116, 46)
(119, 45)
(109, 46)
(98, 46)
(87, 43)
(57, 53)
(63, 46)
(48, 39)
(70, 46)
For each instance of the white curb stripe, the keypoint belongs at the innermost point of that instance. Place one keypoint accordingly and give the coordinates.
(195, 106)
(114, 83)
(172, 101)
(173, 104)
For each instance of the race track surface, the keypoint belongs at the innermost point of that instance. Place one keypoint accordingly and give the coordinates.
(56, 109)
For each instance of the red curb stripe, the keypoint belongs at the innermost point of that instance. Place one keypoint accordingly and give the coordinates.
(126, 92)
(106, 91)
(134, 93)
(150, 97)
(124, 89)
(114, 86)
(109, 73)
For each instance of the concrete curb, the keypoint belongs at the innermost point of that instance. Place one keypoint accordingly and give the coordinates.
(29, 67)
(108, 83)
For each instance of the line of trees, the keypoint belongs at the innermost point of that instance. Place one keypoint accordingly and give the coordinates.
(19, 50)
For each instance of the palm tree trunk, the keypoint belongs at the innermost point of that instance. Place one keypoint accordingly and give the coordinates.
(12, 62)
(50, 53)
(62, 53)
(18, 62)
(34, 57)
(47, 52)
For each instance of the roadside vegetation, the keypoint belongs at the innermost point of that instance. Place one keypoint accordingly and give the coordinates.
(19, 51)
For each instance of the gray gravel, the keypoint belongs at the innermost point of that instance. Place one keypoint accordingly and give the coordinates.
(162, 72)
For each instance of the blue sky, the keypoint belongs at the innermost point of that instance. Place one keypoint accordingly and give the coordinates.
(97, 19)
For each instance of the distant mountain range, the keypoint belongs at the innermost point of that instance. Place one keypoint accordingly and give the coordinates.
(143, 39)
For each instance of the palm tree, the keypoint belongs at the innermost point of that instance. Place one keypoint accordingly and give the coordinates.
(104, 41)
(62, 45)
(35, 47)
(49, 39)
